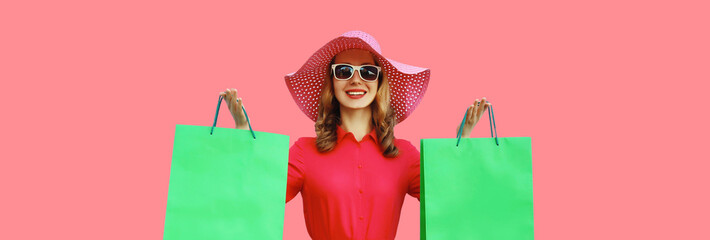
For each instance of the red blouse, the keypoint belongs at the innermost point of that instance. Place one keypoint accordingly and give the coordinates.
(353, 191)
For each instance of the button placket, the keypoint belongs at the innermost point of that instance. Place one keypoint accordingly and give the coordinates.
(360, 208)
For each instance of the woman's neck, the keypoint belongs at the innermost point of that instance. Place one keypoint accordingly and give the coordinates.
(357, 121)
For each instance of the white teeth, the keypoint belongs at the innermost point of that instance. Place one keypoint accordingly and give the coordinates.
(355, 93)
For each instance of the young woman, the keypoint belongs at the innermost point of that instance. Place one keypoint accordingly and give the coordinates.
(354, 174)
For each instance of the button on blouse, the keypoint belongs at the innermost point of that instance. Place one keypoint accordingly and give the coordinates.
(353, 191)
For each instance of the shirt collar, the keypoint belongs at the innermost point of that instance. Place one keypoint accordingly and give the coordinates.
(342, 134)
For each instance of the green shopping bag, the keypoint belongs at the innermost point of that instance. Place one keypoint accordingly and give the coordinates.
(477, 188)
(226, 183)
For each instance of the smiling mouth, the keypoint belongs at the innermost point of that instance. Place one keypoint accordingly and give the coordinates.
(355, 93)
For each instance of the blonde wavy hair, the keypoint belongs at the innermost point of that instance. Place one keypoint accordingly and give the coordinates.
(383, 116)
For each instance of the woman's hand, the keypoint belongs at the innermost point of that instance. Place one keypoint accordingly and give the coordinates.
(234, 104)
(474, 114)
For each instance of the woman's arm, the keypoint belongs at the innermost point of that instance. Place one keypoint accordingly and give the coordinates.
(296, 171)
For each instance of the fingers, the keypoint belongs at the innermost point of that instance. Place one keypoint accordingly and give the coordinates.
(473, 114)
(235, 103)
(481, 107)
(237, 100)
(230, 96)
(475, 111)
(476, 107)
(235, 107)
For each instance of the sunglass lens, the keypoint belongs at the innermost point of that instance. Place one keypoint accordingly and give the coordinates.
(343, 71)
(368, 73)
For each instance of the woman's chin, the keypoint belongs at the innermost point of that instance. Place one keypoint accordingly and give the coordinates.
(354, 105)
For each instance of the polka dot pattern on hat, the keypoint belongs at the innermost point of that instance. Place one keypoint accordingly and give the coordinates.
(407, 83)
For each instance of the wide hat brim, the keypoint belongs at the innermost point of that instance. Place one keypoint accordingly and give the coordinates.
(407, 83)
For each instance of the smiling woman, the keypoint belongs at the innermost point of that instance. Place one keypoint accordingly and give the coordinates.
(353, 176)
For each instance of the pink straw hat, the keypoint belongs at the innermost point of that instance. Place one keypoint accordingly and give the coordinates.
(407, 83)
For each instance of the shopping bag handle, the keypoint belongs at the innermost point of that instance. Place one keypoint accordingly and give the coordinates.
(491, 119)
(217, 114)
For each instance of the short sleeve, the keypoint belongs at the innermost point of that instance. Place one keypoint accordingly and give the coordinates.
(296, 171)
(413, 172)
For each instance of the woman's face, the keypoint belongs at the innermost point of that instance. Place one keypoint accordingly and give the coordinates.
(348, 91)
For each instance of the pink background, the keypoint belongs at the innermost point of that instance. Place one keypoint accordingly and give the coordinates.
(611, 92)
